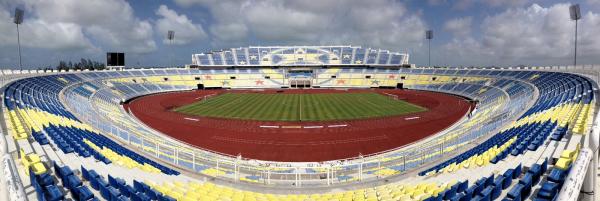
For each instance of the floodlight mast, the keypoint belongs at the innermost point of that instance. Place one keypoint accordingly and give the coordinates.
(429, 36)
(18, 20)
(575, 15)
(171, 37)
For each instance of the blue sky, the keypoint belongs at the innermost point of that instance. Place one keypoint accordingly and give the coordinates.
(467, 32)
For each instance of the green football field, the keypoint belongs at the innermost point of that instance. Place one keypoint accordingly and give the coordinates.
(299, 107)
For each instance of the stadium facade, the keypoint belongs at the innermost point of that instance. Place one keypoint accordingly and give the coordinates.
(531, 136)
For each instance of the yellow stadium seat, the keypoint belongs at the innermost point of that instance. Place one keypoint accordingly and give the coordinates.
(563, 163)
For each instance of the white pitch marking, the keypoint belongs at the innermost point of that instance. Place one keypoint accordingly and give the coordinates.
(312, 126)
(269, 126)
(411, 118)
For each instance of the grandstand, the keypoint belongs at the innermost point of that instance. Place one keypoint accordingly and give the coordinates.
(523, 133)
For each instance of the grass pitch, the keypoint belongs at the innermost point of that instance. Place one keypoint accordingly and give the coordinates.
(299, 107)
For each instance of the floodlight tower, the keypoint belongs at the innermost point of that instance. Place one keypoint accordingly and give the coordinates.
(171, 37)
(429, 36)
(575, 15)
(18, 20)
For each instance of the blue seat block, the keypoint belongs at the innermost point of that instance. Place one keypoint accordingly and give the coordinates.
(517, 171)
(83, 193)
(93, 174)
(478, 198)
(127, 191)
(94, 183)
(471, 190)
(536, 171)
(481, 183)
(109, 193)
(486, 194)
(495, 160)
(456, 197)
(532, 147)
(140, 197)
(556, 175)
(153, 194)
(101, 182)
(85, 173)
(138, 186)
(544, 166)
(515, 192)
(118, 198)
(548, 190)
(104, 192)
(462, 186)
(434, 198)
(515, 152)
(489, 181)
(506, 183)
(167, 198)
(545, 195)
(527, 182)
(53, 193)
(44, 179)
(449, 193)
(73, 182)
(499, 181)
(508, 173)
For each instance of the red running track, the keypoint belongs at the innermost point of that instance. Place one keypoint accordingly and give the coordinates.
(246, 137)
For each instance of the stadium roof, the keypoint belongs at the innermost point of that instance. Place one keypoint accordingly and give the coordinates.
(301, 56)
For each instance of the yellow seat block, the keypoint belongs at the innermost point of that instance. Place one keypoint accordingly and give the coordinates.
(38, 168)
(567, 154)
(563, 163)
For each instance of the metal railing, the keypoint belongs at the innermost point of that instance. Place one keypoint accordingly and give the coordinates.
(233, 168)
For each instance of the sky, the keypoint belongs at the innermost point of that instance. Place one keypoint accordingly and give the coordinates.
(466, 32)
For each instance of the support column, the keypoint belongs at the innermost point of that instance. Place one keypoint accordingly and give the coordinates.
(177, 156)
(194, 161)
(360, 171)
(589, 184)
(328, 176)
(157, 150)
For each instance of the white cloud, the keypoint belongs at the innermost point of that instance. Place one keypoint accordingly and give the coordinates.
(468, 4)
(185, 30)
(509, 3)
(42, 34)
(75, 24)
(459, 27)
(379, 23)
(232, 32)
(593, 1)
(533, 35)
(463, 4)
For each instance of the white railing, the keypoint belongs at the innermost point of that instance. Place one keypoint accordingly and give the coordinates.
(191, 157)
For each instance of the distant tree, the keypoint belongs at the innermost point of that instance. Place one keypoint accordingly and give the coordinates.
(62, 65)
(81, 65)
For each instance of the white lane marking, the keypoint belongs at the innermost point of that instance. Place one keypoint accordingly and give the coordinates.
(337, 125)
(312, 126)
(191, 119)
(411, 118)
(269, 126)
